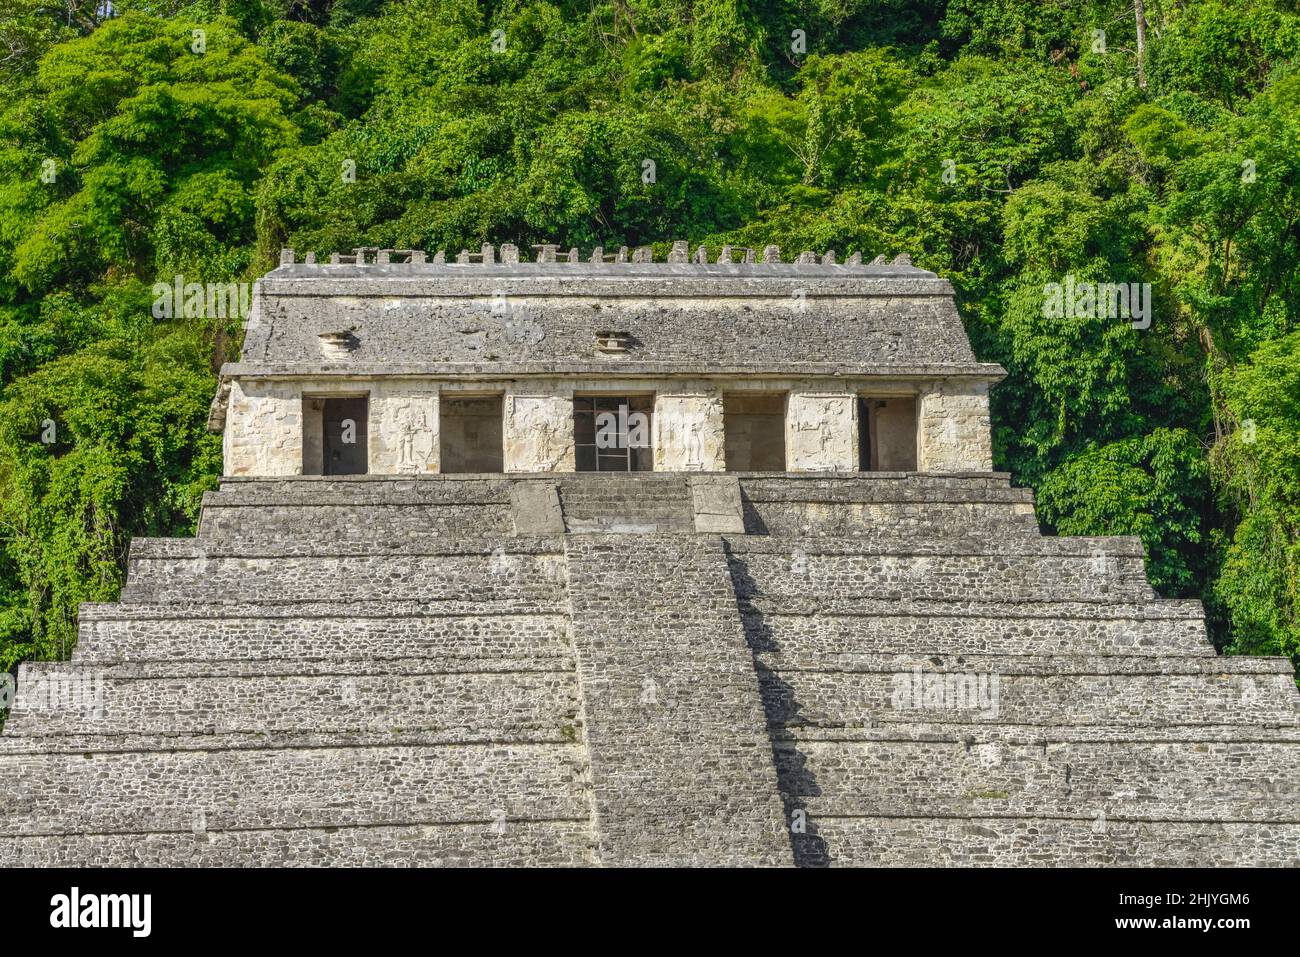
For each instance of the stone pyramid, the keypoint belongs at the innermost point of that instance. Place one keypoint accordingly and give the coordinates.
(662, 669)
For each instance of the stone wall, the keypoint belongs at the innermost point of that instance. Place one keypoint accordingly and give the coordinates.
(954, 430)
(264, 429)
(272, 428)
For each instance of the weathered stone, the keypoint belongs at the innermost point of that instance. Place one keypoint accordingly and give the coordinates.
(821, 432)
(717, 504)
(688, 432)
(539, 433)
(810, 664)
(535, 507)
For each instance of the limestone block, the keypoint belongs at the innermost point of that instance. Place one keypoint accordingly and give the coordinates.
(717, 505)
(535, 508)
(539, 433)
(263, 429)
(955, 433)
(403, 430)
(688, 434)
(822, 432)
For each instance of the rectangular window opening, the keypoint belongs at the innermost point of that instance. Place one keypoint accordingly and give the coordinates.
(613, 433)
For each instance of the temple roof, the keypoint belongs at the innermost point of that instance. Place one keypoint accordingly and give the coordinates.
(395, 312)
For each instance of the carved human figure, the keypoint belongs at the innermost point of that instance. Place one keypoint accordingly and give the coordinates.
(412, 425)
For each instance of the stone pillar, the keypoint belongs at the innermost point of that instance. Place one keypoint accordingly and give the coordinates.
(403, 430)
(539, 432)
(263, 429)
(953, 429)
(821, 432)
(688, 433)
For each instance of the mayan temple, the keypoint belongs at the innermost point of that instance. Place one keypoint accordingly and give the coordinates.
(561, 557)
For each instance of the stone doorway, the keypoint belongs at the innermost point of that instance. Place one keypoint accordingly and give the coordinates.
(335, 435)
(887, 434)
(754, 430)
(469, 430)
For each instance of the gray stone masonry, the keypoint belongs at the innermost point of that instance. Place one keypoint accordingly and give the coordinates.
(887, 669)
(680, 762)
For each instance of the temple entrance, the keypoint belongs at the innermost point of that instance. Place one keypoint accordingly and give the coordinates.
(754, 427)
(886, 434)
(334, 435)
(612, 433)
(470, 434)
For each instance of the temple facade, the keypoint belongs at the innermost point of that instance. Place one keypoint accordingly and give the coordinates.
(385, 363)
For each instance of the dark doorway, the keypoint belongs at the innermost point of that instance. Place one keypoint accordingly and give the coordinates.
(470, 433)
(886, 434)
(344, 438)
(754, 426)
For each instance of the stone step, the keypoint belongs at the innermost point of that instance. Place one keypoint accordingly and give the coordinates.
(596, 504)
(1100, 841)
(884, 487)
(970, 735)
(66, 792)
(162, 570)
(881, 504)
(854, 691)
(410, 524)
(363, 490)
(833, 627)
(518, 701)
(1242, 780)
(896, 520)
(1042, 570)
(495, 842)
(370, 631)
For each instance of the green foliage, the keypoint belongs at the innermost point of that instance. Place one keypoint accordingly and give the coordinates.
(995, 141)
(1258, 466)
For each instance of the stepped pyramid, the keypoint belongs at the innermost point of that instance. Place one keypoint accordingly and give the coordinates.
(804, 624)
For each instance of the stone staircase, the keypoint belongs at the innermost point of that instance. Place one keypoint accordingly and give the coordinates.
(633, 502)
(381, 671)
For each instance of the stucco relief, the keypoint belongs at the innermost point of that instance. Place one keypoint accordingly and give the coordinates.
(688, 433)
(539, 433)
(955, 431)
(406, 433)
(821, 433)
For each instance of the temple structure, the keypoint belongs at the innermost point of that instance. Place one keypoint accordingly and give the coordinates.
(486, 366)
(593, 559)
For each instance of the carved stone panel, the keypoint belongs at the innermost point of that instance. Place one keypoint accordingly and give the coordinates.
(263, 429)
(821, 432)
(954, 433)
(539, 433)
(404, 438)
(688, 433)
